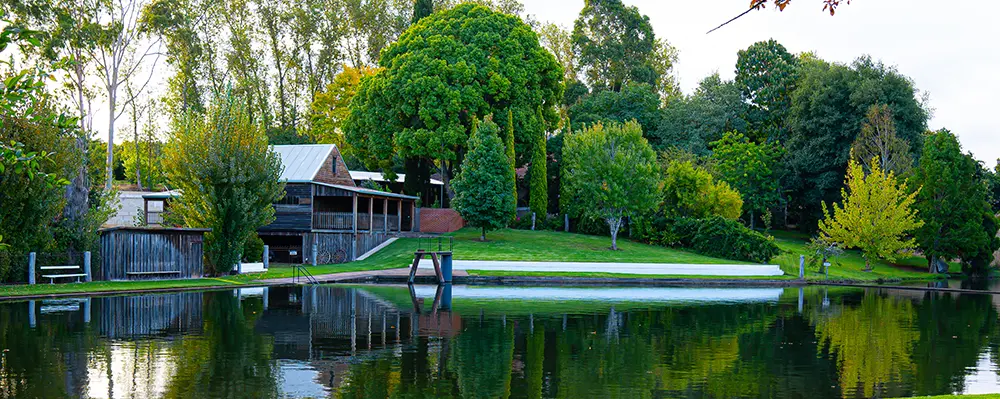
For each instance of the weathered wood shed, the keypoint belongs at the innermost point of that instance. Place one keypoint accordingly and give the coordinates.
(150, 253)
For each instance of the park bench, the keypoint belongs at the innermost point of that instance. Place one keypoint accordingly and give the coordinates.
(53, 277)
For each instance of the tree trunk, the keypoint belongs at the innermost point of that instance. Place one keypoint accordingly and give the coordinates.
(753, 221)
(868, 265)
(77, 190)
(483, 237)
(615, 224)
(138, 154)
(111, 140)
(447, 183)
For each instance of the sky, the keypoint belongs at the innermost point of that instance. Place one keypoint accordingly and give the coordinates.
(950, 49)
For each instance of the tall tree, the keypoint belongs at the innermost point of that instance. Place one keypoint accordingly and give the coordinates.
(951, 201)
(878, 139)
(538, 188)
(234, 199)
(559, 41)
(636, 101)
(122, 49)
(691, 191)
(421, 8)
(421, 106)
(616, 45)
(876, 215)
(331, 107)
(828, 110)
(508, 142)
(766, 73)
(749, 168)
(482, 187)
(610, 173)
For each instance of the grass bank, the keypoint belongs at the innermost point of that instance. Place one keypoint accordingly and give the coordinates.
(850, 266)
(981, 396)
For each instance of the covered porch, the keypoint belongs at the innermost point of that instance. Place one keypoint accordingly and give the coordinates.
(352, 209)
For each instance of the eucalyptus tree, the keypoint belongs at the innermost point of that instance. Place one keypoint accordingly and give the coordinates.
(615, 44)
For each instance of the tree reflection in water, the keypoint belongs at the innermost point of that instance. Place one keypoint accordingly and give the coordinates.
(378, 342)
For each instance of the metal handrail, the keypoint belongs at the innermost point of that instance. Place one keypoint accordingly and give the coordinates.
(436, 244)
(299, 270)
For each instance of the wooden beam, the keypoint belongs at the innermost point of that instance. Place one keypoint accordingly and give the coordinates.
(385, 215)
(399, 216)
(371, 214)
(354, 211)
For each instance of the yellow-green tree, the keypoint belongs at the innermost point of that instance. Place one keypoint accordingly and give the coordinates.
(875, 216)
(330, 108)
(691, 191)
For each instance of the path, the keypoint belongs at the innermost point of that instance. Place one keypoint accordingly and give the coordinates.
(676, 269)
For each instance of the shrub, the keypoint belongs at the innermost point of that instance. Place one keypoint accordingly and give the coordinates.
(253, 249)
(713, 236)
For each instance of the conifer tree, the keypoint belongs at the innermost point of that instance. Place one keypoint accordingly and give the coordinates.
(538, 187)
(508, 141)
(482, 187)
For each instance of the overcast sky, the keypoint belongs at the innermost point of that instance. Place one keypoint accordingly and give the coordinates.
(949, 48)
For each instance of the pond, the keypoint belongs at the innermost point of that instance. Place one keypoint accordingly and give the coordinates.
(489, 342)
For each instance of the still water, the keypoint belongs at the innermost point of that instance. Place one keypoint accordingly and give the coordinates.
(491, 342)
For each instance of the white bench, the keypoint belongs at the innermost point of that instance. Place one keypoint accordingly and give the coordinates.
(152, 273)
(53, 277)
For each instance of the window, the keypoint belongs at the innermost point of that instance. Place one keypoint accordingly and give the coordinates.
(333, 165)
(289, 200)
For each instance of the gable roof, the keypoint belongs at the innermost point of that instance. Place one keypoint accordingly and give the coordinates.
(301, 162)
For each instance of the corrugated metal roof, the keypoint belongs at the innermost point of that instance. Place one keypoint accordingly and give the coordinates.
(302, 162)
(361, 190)
(377, 176)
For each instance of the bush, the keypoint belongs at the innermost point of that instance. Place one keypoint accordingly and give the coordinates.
(713, 236)
(253, 249)
(549, 222)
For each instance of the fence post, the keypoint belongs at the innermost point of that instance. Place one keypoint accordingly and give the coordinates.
(566, 222)
(267, 254)
(31, 268)
(802, 267)
(315, 252)
(532, 221)
(86, 266)
(31, 313)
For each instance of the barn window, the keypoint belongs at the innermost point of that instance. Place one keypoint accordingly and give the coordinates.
(334, 165)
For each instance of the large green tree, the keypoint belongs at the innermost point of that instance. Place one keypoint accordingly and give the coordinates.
(635, 101)
(766, 73)
(615, 44)
(691, 191)
(482, 187)
(233, 199)
(829, 106)
(451, 68)
(750, 168)
(610, 173)
(952, 202)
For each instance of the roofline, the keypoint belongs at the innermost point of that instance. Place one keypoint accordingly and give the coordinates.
(146, 228)
(320, 166)
(366, 191)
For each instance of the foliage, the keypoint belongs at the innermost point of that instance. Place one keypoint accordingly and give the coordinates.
(828, 109)
(253, 249)
(951, 202)
(635, 101)
(766, 75)
(508, 143)
(692, 122)
(749, 168)
(822, 251)
(422, 8)
(538, 188)
(558, 40)
(144, 156)
(878, 139)
(329, 109)
(232, 198)
(616, 45)
(610, 173)
(875, 216)
(451, 68)
(691, 191)
(713, 236)
(482, 187)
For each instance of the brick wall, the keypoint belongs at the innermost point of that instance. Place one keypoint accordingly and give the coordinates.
(434, 220)
(326, 175)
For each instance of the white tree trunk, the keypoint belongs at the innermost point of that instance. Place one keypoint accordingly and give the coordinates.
(111, 140)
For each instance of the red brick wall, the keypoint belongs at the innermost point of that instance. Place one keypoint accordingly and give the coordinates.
(326, 175)
(434, 220)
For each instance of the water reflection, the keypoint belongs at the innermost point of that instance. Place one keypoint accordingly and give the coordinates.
(428, 341)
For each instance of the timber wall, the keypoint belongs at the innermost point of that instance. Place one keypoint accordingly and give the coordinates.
(437, 220)
(145, 250)
(329, 243)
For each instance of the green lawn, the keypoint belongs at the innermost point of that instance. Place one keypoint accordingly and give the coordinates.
(111, 286)
(850, 266)
(552, 246)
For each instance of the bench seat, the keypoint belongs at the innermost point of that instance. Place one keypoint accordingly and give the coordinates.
(63, 275)
(147, 273)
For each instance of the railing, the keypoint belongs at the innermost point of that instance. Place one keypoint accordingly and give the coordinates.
(300, 271)
(333, 220)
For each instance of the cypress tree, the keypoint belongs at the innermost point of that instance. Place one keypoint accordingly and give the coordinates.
(538, 187)
(482, 187)
(508, 140)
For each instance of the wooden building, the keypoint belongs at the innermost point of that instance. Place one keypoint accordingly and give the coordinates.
(322, 205)
(150, 253)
